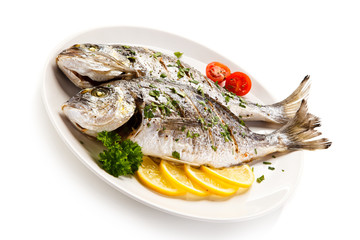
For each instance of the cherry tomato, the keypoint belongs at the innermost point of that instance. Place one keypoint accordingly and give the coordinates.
(238, 83)
(217, 71)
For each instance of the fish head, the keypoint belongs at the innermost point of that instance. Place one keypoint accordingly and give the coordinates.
(101, 108)
(88, 65)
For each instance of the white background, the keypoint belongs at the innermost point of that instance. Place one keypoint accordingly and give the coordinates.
(47, 193)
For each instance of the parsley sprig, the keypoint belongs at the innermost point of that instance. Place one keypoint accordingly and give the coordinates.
(121, 158)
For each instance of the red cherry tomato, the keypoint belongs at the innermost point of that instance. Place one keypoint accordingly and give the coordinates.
(217, 71)
(238, 83)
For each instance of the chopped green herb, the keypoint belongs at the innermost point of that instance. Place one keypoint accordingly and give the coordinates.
(176, 139)
(242, 102)
(155, 94)
(226, 133)
(214, 120)
(183, 128)
(194, 81)
(157, 54)
(178, 54)
(260, 179)
(176, 155)
(255, 151)
(214, 148)
(178, 93)
(148, 111)
(132, 59)
(202, 121)
(164, 109)
(152, 86)
(271, 168)
(273, 156)
(192, 135)
(201, 91)
(163, 75)
(267, 163)
(217, 84)
(180, 74)
(182, 71)
(202, 103)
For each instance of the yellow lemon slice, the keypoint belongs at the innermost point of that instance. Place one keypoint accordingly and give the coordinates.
(149, 174)
(209, 183)
(239, 176)
(176, 175)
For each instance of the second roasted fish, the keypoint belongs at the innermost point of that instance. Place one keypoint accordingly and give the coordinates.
(88, 65)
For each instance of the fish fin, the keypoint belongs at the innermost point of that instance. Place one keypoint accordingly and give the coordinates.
(291, 104)
(300, 133)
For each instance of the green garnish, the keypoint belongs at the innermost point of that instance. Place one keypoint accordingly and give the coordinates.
(201, 91)
(155, 94)
(226, 133)
(157, 54)
(163, 75)
(164, 109)
(176, 155)
(178, 54)
(255, 151)
(121, 157)
(260, 179)
(148, 111)
(182, 71)
(242, 102)
(192, 135)
(202, 103)
(241, 121)
(214, 148)
(178, 93)
(183, 128)
(194, 81)
(271, 168)
(131, 59)
(267, 163)
(217, 84)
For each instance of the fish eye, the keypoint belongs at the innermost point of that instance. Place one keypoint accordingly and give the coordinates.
(100, 92)
(93, 48)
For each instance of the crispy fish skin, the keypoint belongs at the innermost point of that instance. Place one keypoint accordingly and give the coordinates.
(88, 65)
(198, 128)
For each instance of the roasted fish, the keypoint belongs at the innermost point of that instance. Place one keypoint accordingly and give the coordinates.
(173, 122)
(88, 65)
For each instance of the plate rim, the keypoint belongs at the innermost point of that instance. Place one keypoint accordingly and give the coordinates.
(78, 155)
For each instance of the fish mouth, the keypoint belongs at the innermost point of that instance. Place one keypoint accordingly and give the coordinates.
(88, 82)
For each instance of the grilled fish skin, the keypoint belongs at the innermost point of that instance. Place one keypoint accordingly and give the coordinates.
(172, 118)
(88, 65)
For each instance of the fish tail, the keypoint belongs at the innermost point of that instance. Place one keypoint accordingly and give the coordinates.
(300, 133)
(289, 106)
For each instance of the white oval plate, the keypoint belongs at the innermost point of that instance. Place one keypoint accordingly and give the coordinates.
(262, 197)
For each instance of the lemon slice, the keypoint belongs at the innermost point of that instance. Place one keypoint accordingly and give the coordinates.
(211, 184)
(149, 174)
(239, 176)
(176, 175)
